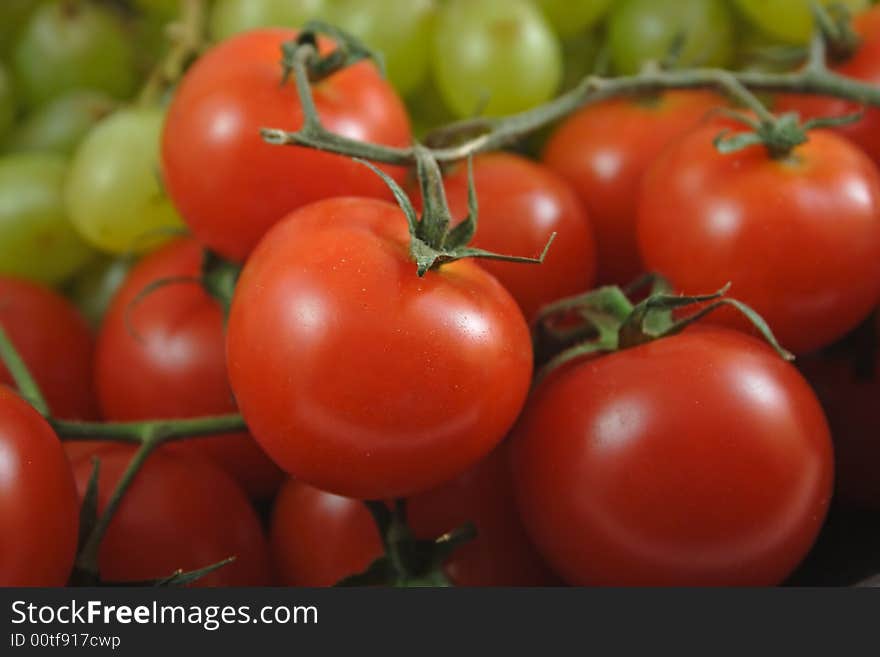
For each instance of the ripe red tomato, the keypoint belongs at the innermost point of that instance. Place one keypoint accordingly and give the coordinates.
(863, 66)
(213, 127)
(849, 398)
(520, 204)
(55, 343)
(799, 237)
(164, 357)
(502, 553)
(697, 459)
(181, 512)
(604, 150)
(39, 512)
(358, 376)
(318, 538)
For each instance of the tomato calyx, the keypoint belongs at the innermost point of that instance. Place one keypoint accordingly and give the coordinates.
(434, 241)
(605, 320)
(349, 51)
(407, 562)
(779, 134)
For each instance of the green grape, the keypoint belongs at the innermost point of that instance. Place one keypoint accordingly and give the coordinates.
(494, 56)
(427, 110)
(7, 101)
(790, 21)
(69, 45)
(401, 31)
(13, 14)
(36, 238)
(113, 191)
(581, 57)
(93, 288)
(643, 30)
(230, 17)
(569, 17)
(59, 125)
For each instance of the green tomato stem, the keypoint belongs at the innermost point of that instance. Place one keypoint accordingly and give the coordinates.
(24, 381)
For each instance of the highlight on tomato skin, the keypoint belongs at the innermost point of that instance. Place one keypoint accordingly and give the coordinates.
(173, 337)
(39, 510)
(181, 513)
(701, 459)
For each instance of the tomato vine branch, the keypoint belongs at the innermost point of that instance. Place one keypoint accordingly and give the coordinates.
(486, 134)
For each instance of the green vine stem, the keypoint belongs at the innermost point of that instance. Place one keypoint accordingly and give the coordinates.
(486, 134)
(148, 435)
(27, 386)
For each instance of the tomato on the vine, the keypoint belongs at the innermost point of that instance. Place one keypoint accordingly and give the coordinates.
(798, 236)
(318, 538)
(181, 512)
(697, 459)
(864, 65)
(172, 337)
(360, 377)
(847, 383)
(789, 20)
(521, 203)
(55, 343)
(604, 150)
(213, 126)
(39, 512)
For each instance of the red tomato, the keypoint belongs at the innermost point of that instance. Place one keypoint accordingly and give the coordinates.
(356, 375)
(55, 343)
(850, 399)
(863, 66)
(39, 512)
(799, 238)
(180, 512)
(697, 459)
(604, 150)
(319, 538)
(521, 204)
(502, 553)
(163, 357)
(228, 184)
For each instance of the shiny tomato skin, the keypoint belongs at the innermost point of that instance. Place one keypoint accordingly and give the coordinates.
(318, 538)
(358, 376)
(799, 238)
(181, 512)
(521, 203)
(863, 66)
(39, 510)
(163, 356)
(604, 150)
(698, 459)
(56, 344)
(228, 184)
(502, 554)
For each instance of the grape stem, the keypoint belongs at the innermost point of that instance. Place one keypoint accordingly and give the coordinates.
(493, 133)
(186, 39)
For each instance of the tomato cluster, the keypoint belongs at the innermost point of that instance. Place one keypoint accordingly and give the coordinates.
(403, 379)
